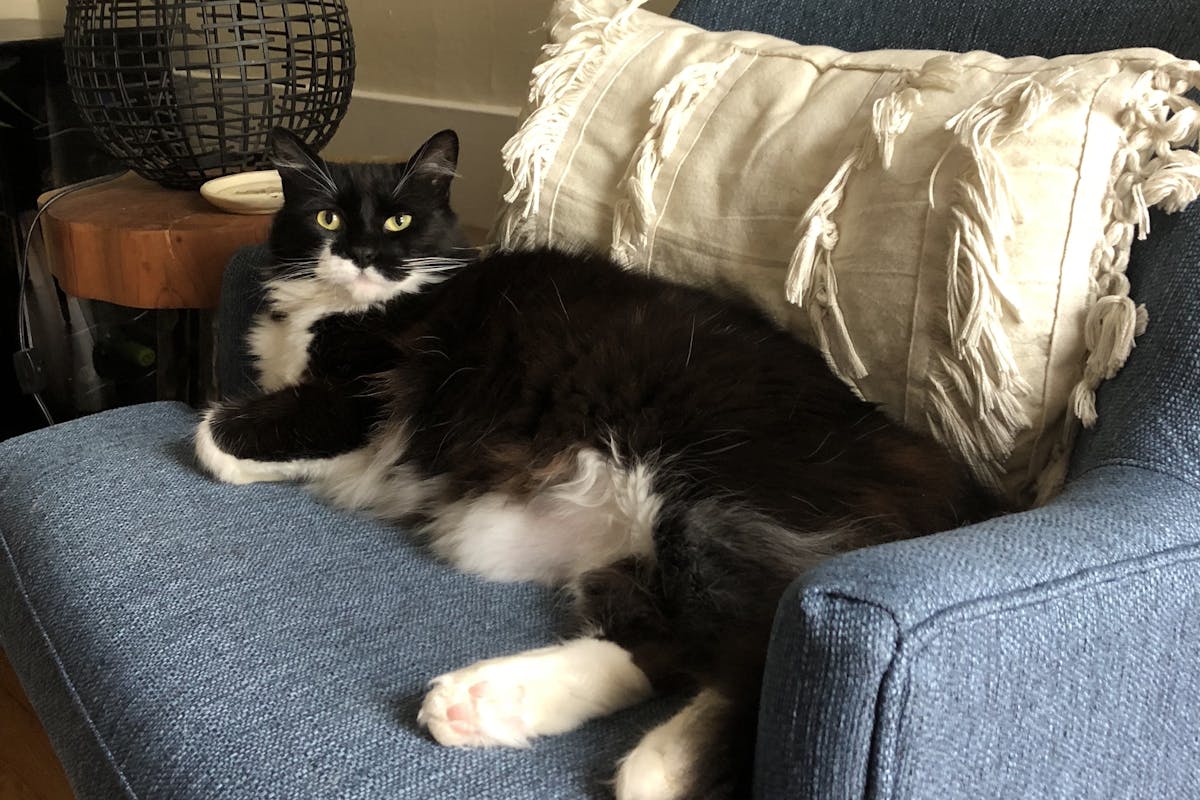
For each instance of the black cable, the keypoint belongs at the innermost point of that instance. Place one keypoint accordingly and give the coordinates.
(25, 360)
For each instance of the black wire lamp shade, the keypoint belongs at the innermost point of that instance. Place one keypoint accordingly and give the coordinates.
(187, 90)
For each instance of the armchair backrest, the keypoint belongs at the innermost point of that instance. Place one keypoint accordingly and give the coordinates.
(1008, 27)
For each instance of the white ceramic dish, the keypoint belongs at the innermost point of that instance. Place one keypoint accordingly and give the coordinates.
(258, 192)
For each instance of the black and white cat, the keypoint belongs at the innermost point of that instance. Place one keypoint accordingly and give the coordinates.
(673, 458)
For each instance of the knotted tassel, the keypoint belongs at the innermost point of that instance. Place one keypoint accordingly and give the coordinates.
(634, 214)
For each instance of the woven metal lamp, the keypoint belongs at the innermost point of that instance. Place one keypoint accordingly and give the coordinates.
(187, 90)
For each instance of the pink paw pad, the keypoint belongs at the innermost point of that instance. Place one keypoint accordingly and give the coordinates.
(474, 713)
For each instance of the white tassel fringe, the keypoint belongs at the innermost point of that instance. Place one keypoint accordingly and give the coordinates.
(811, 280)
(557, 86)
(975, 389)
(1150, 170)
(634, 214)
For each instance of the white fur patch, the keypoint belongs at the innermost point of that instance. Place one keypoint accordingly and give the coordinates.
(336, 286)
(662, 764)
(231, 469)
(509, 701)
(375, 479)
(371, 479)
(606, 512)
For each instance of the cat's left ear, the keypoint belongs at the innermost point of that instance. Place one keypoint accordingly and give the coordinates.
(294, 159)
(436, 161)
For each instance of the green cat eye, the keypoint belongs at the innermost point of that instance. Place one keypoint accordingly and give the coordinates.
(397, 223)
(329, 220)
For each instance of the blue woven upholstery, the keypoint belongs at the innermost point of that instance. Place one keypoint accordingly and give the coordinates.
(183, 639)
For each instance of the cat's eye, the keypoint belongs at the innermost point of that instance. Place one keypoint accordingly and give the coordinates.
(329, 220)
(397, 223)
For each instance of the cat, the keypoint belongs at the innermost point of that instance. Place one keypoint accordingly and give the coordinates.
(673, 458)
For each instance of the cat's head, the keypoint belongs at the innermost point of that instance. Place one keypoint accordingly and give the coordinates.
(367, 232)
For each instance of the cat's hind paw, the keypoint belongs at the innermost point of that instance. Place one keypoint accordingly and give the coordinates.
(681, 758)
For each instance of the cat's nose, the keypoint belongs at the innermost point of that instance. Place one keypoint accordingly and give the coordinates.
(362, 256)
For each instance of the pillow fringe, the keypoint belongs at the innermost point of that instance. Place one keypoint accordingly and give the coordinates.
(1153, 168)
(982, 423)
(634, 213)
(811, 279)
(558, 84)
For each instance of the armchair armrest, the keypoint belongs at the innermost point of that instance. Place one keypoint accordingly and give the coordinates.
(1054, 653)
(1047, 654)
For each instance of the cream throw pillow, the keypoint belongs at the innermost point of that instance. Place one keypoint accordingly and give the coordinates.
(950, 229)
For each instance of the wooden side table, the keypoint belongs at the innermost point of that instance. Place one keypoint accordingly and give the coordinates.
(133, 243)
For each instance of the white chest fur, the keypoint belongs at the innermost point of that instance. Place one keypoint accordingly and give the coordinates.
(280, 335)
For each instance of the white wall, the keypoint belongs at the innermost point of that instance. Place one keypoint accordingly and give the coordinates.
(49, 10)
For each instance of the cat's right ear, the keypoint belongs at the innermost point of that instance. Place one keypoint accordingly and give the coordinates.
(436, 160)
(296, 161)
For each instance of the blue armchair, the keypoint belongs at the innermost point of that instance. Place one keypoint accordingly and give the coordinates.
(185, 639)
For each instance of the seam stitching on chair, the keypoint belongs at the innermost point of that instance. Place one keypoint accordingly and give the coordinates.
(870, 787)
(1065, 586)
(62, 671)
(894, 678)
(1189, 482)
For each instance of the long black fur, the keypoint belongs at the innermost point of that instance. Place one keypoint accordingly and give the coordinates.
(767, 463)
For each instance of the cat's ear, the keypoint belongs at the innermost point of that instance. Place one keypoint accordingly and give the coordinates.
(295, 160)
(436, 161)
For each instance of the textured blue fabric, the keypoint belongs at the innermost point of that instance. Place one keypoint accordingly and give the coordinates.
(1048, 654)
(186, 639)
(1148, 413)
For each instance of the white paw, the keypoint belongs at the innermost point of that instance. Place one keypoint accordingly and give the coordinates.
(659, 768)
(230, 468)
(466, 709)
(663, 765)
(509, 701)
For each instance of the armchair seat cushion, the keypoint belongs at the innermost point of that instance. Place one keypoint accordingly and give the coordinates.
(182, 638)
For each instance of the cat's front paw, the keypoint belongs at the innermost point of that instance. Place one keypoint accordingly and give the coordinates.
(465, 709)
(509, 701)
(222, 465)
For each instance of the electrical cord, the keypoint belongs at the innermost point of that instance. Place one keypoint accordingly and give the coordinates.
(26, 361)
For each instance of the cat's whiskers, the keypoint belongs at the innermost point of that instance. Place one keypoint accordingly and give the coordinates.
(299, 267)
(436, 261)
